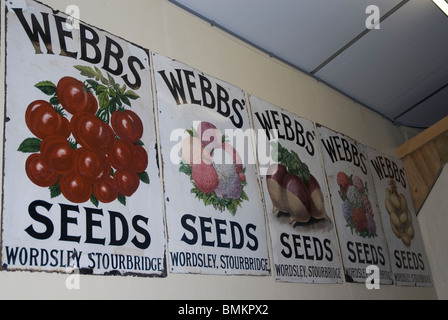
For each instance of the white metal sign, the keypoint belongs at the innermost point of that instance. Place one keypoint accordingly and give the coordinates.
(214, 208)
(407, 252)
(81, 180)
(303, 235)
(358, 220)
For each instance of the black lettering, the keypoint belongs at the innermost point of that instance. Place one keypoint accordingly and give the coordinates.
(66, 220)
(251, 236)
(204, 230)
(237, 107)
(90, 223)
(310, 145)
(194, 235)
(420, 259)
(92, 42)
(289, 132)
(62, 34)
(147, 238)
(206, 89)
(363, 159)
(36, 31)
(221, 231)
(352, 254)
(330, 148)
(277, 123)
(329, 254)
(117, 55)
(113, 216)
(284, 237)
(49, 228)
(235, 226)
(191, 84)
(223, 101)
(403, 178)
(265, 123)
(175, 86)
(296, 239)
(376, 165)
(138, 81)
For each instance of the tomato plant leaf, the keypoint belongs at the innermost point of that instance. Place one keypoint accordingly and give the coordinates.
(93, 84)
(125, 100)
(47, 87)
(94, 200)
(122, 199)
(54, 101)
(131, 95)
(103, 99)
(144, 177)
(30, 145)
(55, 191)
(86, 71)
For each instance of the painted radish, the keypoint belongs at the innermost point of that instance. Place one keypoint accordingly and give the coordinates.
(274, 179)
(317, 199)
(297, 199)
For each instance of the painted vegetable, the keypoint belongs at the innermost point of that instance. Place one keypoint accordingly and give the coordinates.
(317, 199)
(356, 206)
(85, 155)
(297, 199)
(293, 189)
(215, 168)
(275, 175)
(400, 216)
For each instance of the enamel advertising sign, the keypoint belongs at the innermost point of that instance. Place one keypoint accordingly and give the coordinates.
(81, 179)
(214, 208)
(304, 244)
(407, 252)
(358, 221)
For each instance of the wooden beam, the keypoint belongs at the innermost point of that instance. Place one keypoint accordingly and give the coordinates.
(422, 138)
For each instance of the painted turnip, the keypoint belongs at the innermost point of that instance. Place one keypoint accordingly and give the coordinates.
(274, 179)
(297, 199)
(317, 199)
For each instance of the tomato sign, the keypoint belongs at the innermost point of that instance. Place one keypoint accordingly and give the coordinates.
(81, 166)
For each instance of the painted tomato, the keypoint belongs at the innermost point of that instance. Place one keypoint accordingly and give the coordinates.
(122, 155)
(127, 125)
(91, 132)
(105, 190)
(74, 98)
(140, 161)
(75, 188)
(39, 172)
(127, 182)
(92, 165)
(43, 121)
(57, 154)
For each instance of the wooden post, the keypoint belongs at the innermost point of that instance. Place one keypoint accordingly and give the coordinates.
(423, 158)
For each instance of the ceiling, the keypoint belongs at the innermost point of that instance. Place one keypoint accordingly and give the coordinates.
(398, 69)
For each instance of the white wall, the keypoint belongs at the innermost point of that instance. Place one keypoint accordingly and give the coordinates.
(166, 29)
(433, 222)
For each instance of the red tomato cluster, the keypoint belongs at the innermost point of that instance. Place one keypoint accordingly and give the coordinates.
(87, 169)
